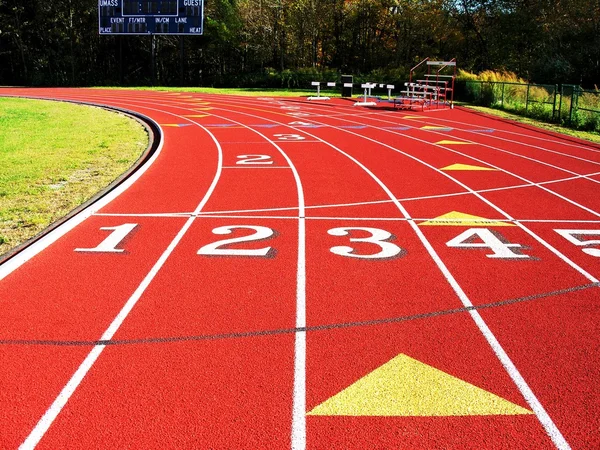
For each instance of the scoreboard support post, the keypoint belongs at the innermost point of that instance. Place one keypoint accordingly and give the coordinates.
(120, 38)
(152, 60)
(181, 61)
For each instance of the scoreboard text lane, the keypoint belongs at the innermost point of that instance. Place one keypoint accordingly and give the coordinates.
(151, 17)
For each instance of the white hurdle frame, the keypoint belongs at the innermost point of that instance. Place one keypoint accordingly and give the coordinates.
(367, 91)
(318, 85)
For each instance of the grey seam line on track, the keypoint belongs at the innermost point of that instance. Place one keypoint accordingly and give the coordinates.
(540, 412)
(308, 329)
(529, 396)
(63, 397)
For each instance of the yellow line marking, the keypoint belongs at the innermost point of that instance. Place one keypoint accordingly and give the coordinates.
(466, 167)
(452, 142)
(455, 218)
(406, 387)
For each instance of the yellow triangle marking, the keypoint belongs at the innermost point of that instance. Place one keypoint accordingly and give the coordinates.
(208, 108)
(414, 117)
(452, 143)
(197, 115)
(169, 125)
(407, 387)
(433, 127)
(455, 218)
(465, 167)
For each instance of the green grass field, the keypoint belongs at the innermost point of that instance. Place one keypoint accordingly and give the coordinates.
(53, 157)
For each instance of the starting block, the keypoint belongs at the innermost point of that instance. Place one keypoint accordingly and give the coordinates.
(367, 87)
(318, 85)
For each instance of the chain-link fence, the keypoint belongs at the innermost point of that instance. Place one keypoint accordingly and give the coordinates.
(566, 104)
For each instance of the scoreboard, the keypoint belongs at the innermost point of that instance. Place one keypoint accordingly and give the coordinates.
(151, 17)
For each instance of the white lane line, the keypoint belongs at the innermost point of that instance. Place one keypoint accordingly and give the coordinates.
(505, 360)
(56, 407)
(550, 427)
(298, 428)
(254, 167)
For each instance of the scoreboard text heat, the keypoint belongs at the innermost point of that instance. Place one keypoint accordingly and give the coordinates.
(151, 17)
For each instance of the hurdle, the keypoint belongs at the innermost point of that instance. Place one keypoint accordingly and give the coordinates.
(318, 85)
(367, 87)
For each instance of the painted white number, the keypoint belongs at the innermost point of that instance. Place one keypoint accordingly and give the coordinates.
(489, 240)
(254, 159)
(378, 237)
(215, 249)
(289, 137)
(573, 236)
(109, 245)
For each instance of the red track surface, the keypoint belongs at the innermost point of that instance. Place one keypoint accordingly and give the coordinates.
(173, 344)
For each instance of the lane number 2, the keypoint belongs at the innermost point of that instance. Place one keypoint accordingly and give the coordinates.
(216, 248)
(289, 137)
(254, 159)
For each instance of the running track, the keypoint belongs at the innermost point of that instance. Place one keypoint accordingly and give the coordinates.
(293, 274)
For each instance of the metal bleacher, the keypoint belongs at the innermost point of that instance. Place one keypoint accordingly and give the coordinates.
(434, 90)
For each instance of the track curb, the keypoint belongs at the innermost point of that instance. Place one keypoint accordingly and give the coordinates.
(155, 136)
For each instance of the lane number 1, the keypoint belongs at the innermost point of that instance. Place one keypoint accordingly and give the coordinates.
(110, 243)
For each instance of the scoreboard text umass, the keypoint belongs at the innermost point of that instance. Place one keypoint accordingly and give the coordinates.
(151, 17)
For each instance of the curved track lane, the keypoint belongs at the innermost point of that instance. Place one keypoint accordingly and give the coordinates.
(293, 274)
